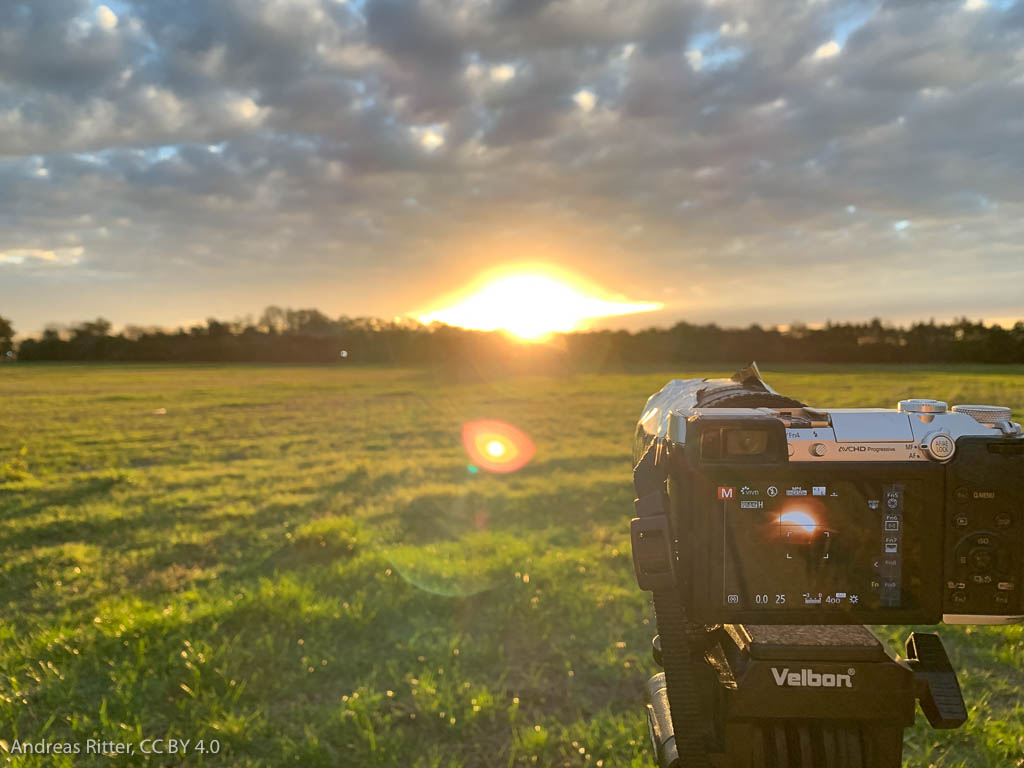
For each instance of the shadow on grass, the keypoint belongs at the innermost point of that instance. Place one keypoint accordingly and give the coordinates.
(449, 515)
(618, 464)
(16, 504)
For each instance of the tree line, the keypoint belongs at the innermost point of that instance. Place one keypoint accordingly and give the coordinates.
(309, 336)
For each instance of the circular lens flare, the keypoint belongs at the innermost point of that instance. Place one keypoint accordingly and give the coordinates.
(495, 446)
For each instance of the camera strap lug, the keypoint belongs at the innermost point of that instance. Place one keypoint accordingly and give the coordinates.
(650, 531)
(653, 554)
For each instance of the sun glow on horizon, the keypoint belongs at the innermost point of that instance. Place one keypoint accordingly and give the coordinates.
(530, 305)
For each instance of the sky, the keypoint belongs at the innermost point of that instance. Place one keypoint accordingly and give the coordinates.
(735, 161)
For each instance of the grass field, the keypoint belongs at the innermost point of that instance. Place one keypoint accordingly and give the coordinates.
(297, 564)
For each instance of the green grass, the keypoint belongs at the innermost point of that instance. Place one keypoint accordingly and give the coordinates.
(297, 563)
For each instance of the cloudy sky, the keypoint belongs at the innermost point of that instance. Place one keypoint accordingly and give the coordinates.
(738, 161)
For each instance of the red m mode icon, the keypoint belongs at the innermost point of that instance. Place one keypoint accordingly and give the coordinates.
(726, 492)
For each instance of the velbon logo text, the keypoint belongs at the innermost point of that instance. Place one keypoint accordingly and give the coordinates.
(808, 678)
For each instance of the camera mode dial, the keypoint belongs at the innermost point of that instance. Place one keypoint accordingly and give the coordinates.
(921, 405)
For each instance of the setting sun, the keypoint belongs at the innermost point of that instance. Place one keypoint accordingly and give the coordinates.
(799, 519)
(530, 306)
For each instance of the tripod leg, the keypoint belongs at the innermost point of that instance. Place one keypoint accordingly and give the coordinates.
(884, 746)
(689, 719)
(806, 751)
(757, 754)
(828, 747)
(781, 745)
(798, 744)
(842, 749)
(854, 755)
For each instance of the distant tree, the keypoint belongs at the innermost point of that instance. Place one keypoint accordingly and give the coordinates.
(135, 332)
(94, 329)
(309, 336)
(6, 338)
(217, 329)
(273, 319)
(308, 321)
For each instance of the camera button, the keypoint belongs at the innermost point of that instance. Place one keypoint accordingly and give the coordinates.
(940, 446)
(958, 598)
(1005, 586)
(961, 521)
(818, 449)
(1004, 520)
(982, 559)
(962, 494)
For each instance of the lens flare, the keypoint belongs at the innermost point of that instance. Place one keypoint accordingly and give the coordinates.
(496, 446)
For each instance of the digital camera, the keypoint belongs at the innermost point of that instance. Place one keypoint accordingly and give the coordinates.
(775, 512)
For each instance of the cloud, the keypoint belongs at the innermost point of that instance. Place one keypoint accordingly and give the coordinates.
(53, 256)
(429, 138)
(106, 18)
(181, 138)
(734, 29)
(585, 99)
(502, 73)
(827, 50)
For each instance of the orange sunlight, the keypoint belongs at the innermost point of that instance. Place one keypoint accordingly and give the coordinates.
(530, 305)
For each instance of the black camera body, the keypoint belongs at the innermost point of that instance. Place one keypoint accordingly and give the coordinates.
(777, 513)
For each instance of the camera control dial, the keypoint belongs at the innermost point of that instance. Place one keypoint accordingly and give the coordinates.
(985, 414)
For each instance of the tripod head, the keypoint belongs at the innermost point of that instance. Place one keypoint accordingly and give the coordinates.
(816, 696)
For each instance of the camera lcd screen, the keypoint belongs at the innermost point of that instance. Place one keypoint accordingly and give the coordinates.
(832, 546)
